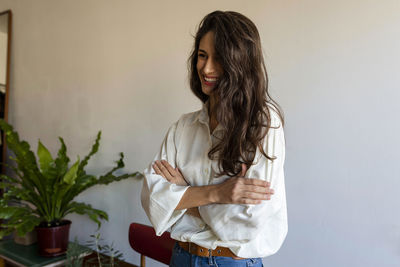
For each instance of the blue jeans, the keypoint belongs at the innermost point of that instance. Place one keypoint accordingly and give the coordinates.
(182, 258)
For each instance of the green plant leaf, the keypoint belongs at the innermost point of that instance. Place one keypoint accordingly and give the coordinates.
(70, 176)
(27, 224)
(31, 176)
(45, 158)
(82, 208)
(5, 232)
(83, 181)
(21, 219)
(93, 151)
(7, 212)
(8, 179)
(62, 159)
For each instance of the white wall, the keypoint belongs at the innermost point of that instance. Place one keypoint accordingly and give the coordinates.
(120, 66)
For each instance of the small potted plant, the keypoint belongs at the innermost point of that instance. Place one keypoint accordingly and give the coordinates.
(45, 191)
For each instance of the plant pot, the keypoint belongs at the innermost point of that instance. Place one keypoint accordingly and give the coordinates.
(26, 240)
(53, 241)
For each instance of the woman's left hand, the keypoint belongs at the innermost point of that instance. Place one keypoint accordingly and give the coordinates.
(163, 168)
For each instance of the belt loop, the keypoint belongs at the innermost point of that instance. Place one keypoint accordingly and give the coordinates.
(189, 247)
(210, 259)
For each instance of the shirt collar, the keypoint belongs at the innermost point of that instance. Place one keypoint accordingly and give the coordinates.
(203, 117)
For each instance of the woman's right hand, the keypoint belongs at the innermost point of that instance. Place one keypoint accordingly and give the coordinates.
(241, 190)
(163, 168)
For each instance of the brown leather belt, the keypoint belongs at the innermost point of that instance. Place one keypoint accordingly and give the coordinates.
(205, 252)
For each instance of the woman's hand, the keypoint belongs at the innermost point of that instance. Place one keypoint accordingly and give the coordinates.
(240, 190)
(163, 168)
(174, 176)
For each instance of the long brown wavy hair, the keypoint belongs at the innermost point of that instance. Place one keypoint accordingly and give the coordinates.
(242, 90)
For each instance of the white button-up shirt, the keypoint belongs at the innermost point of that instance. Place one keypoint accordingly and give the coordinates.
(249, 231)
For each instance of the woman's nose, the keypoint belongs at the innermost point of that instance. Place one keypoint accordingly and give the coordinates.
(210, 66)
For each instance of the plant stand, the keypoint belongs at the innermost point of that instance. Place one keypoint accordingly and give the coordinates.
(24, 256)
(27, 256)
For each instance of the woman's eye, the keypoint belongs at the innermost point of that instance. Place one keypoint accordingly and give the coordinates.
(201, 55)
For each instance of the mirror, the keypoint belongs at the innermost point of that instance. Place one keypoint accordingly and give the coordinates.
(5, 45)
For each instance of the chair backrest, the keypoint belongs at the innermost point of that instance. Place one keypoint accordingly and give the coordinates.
(144, 240)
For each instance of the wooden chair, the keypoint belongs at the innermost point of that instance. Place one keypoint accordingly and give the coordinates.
(143, 239)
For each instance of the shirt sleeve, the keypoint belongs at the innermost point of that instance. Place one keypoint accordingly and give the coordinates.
(159, 197)
(263, 225)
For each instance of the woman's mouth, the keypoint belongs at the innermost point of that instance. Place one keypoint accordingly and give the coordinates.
(210, 81)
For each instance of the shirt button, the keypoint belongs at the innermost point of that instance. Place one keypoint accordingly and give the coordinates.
(206, 171)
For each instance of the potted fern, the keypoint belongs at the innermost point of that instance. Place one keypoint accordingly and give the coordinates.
(45, 192)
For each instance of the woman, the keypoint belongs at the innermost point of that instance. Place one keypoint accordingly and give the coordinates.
(218, 179)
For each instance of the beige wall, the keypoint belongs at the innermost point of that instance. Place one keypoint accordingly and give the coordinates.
(120, 67)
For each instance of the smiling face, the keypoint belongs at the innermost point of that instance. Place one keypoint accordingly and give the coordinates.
(208, 67)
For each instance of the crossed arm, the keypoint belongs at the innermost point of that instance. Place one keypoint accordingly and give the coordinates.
(235, 190)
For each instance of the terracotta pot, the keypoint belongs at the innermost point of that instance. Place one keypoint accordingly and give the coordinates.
(53, 241)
